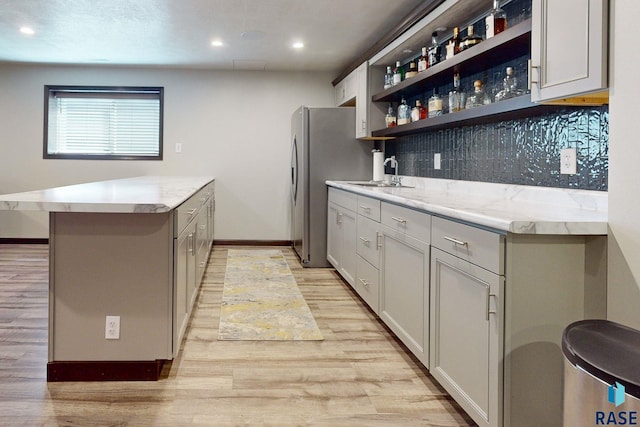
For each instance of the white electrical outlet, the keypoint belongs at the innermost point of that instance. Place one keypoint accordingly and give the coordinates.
(436, 161)
(178, 147)
(112, 328)
(568, 161)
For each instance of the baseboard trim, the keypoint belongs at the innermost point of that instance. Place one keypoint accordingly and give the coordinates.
(252, 242)
(105, 371)
(22, 241)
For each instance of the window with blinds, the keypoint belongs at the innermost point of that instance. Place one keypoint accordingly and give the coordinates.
(103, 122)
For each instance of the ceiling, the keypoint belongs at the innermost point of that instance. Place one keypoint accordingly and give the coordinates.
(255, 34)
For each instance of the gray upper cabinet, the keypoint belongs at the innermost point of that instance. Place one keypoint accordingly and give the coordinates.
(569, 51)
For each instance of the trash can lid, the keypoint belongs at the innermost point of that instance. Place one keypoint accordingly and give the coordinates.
(607, 350)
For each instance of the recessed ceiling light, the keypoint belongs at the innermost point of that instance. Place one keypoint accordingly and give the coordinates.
(217, 43)
(27, 30)
(297, 45)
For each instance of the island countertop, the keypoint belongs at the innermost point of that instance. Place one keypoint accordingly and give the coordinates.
(145, 194)
(508, 208)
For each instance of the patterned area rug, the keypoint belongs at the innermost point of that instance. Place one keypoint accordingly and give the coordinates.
(261, 300)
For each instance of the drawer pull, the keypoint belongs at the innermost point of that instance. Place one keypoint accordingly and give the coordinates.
(400, 220)
(364, 282)
(365, 240)
(339, 218)
(456, 241)
(378, 240)
(192, 211)
(367, 209)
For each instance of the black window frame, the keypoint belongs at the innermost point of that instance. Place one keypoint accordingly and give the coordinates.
(48, 89)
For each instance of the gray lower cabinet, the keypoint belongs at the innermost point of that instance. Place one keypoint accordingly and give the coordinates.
(367, 283)
(341, 233)
(184, 283)
(404, 276)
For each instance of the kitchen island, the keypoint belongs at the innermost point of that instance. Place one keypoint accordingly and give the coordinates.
(478, 280)
(126, 258)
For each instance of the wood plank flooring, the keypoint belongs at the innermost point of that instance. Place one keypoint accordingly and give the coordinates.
(358, 376)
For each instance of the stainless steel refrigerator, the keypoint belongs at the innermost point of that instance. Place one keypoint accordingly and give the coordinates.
(323, 146)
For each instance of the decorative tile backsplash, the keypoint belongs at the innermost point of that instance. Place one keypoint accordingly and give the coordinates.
(523, 151)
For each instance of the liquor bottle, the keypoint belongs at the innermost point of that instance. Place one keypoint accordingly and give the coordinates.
(419, 112)
(510, 87)
(435, 51)
(390, 118)
(404, 115)
(388, 78)
(435, 105)
(496, 22)
(413, 70)
(470, 39)
(478, 98)
(456, 96)
(456, 40)
(423, 61)
(398, 73)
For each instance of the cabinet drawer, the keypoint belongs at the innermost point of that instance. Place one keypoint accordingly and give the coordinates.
(369, 207)
(367, 244)
(367, 284)
(480, 247)
(343, 198)
(414, 223)
(185, 213)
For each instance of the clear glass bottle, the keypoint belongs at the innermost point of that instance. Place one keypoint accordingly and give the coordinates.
(388, 78)
(413, 69)
(435, 105)
(478, 97)
(470, 40)
(398, 73)
(419, 112)
(390, 118)
(404, 114)
(456, 96)
(510, 87)
(435, 51)
(423, 61)
(496, 22)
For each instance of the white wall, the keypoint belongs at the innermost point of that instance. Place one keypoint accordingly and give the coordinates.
(623, 298)
(233, 125)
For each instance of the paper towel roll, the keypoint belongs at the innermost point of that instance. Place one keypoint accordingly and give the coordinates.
(378, 166)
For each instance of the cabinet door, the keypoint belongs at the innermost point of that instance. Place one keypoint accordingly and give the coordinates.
(348, 262)
(404, 290)
(185, 276)
(568, 48)
(334, 235)
(362, 101)
(465, 337)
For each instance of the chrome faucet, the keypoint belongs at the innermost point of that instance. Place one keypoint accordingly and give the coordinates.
(395, 179)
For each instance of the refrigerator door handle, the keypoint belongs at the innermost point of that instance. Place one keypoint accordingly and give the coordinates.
(294, 169)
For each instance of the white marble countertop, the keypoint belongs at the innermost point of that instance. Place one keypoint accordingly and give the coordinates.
(145, 194)
(510, 208)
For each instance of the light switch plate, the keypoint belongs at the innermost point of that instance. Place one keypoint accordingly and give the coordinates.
(568, 161)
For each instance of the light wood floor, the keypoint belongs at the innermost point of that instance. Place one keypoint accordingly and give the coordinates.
(358, 376)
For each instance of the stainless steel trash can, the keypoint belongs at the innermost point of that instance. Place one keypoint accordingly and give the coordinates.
(601, 374)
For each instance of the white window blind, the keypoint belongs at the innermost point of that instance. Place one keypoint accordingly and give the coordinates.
(122, 123)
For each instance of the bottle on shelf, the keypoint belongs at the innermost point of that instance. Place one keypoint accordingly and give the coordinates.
(390, 118)
(456, 96)
(388, 78)
(435, 51)
(470, 40)
(419, 112)
(404, 115)
(398, 73)
(456, 40)
(496, 22)
(435, 105)
(413, 70)
(478, 98)
(423, 61)
(510, 87)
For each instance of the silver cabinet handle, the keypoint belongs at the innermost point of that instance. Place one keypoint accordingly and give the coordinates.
(489, 311)
(365, 240)
(378, 240)
(339, 218)
(364, 124)
(190, 243)
(456, 241)
(365, 208)
(203, 264)
(192, 211)
(400, 220)
(364, 282)
(531, 67)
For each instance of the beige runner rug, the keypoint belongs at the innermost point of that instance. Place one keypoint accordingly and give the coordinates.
(261, 299)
